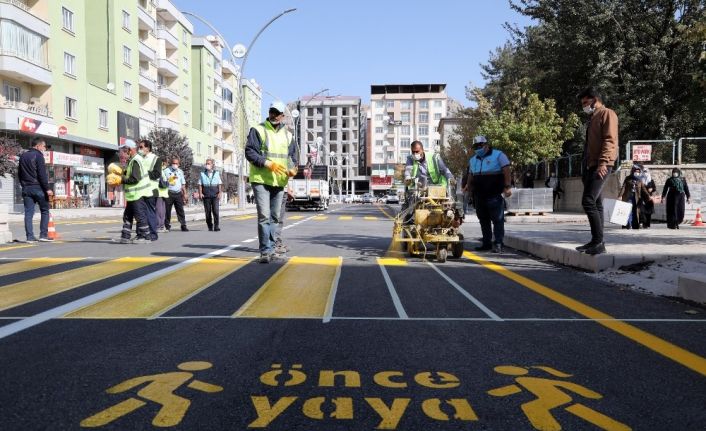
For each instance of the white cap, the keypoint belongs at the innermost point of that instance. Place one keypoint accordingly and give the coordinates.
(129, 143)
(480, 139)
(279, 106)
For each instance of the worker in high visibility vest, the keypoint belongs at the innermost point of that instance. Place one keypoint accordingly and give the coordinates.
(154, 171)
(272, 154)
(136, 183)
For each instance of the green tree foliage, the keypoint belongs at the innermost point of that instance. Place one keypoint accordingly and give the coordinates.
(9, 151)
(168, 144)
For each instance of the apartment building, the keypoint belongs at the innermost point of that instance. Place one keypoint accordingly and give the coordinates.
(400, 115)
(86, 75)
(336, 120)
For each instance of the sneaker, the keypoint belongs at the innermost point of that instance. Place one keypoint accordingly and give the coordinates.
(125, 241)
(46, 240)
(484, 248)
(216, 229)
(596, 249)
(210, 229)
(264, 258)
(498, 248)
(32, 241)
(141, 241)
(184, 229)
(585, 247)
(162, 230)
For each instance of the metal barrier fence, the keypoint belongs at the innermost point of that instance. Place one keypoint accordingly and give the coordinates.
(691, 150)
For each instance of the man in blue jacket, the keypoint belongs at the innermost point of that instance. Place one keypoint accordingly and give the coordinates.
(32, 173)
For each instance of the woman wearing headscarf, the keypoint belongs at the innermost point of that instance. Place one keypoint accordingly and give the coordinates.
(635, 192)
(648, 206)
(677, 192)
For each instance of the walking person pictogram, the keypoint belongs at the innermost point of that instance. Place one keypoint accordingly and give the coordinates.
(160, 390)
(552, 393)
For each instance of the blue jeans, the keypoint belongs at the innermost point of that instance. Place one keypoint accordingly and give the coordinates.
(268, 200)
(32, 195)
(150, 207)
(491, 209)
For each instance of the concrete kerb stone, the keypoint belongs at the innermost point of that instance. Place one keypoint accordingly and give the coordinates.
(5, 234)
(692, 287)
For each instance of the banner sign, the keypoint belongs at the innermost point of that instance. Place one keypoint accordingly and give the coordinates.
(642, 153)
(30, 125)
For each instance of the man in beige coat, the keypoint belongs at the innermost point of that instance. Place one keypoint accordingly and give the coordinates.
(599, 155)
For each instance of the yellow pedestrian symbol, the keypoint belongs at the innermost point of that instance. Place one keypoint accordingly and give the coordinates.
(160, 390)
(550, 395)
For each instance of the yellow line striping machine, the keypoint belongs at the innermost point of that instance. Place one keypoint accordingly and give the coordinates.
(430, 219)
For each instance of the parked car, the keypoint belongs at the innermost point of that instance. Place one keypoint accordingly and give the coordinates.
(392, 199)
(368, 199)
(348, 199)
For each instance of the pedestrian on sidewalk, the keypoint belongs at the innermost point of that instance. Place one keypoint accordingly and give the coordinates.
(489, 180)
(136, 183)
(676, 190)
(154, 171)
(177, 196)
(32, 173)
(554, 183)
(648, 206)
(270, 149)
(635, 192)
(210, 187)
(528, 180)
(599, 154)
(163, 192)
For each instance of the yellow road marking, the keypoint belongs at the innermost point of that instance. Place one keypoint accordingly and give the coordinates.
(70, 223)
(299, 289)
(320, 218)
(26, 291)
(656, 344)
(391, 261)
(299, 217)
(370, 218)
(243, 217)
(30, 264)
(345, 218)
(382, 210)
(155, 297)
(16, 246)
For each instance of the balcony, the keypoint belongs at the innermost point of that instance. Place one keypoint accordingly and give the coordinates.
(230, 168)
(146, 53)
(167, 36)
(229, 68)
(167, 67)
(167, 123)
(218, 143)
(228, 147)
(11, 112)
(167, 96)
(147, 115)
(227, 126)
(19, 12)
(144, 17)
(23, 69)
(147, 84)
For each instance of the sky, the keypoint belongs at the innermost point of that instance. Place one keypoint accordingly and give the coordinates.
(345, 46)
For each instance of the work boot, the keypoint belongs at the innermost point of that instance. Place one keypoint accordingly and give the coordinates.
(484, 247)
(125, 241)
(596, 249)
(498, 248)
(264, 258)
(216, 229)
(585, 247)
(184, 228)
(142, 241)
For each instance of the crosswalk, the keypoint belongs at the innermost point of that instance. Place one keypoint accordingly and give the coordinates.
(319, 217)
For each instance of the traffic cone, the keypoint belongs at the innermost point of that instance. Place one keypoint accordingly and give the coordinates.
(52, 228)
(697, 221)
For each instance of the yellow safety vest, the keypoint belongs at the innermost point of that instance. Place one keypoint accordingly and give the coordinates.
(163, 192)
(433, 169)
(275, 147)
(134, 192)
(150, 161)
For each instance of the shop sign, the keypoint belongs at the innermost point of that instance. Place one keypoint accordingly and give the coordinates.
(65, 159)
(30, 125)
(88, 151)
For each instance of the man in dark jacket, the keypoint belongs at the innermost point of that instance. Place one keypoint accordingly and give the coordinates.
(32, 173)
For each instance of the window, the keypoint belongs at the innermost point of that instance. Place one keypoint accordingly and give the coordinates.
(127, 90)
(310, 124)
(406, 104)
(425, 142)
(379, 104)
(423, 130)
(378, 143)
(405, 130)
(405, 142)
(423, 104)
(70, 109)
(69, 64)
(208, 103)
(184, 37)
(437, 103)
(186, 118)
(332, 123)
(437, 116)
(198, 148)
(102, 118)
(333, 111)
(378, 117)
(344, 112)
(127, 53)
(12, 93)
(68, 19)
(404, 117)
(21, 42)
(344, 136)
(378, 156)
(390, 104)
(126, 21)
(310, 112)
(333, 136)
(378, 130)
(435, 129)
(423, 117)
(185, 63)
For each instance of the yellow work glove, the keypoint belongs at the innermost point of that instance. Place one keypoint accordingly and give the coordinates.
(275, 167)
(292, 172)
(114, 179)
(115, 168)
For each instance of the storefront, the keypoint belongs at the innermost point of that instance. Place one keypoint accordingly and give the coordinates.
(78, 181)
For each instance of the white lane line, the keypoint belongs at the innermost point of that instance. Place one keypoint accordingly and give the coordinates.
(468, 296)
(332, 294)
(250, 240)
(61, 310)
(393, 293)
(451, 319)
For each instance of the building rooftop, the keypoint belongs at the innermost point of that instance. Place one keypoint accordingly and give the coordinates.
(407, 88)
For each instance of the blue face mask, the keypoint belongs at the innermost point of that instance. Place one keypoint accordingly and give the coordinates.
(480, 152)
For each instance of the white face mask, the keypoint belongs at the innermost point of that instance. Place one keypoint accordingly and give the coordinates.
(209, 167)
(588, 109)
(175, 167)
(675, 174)
(417, 156)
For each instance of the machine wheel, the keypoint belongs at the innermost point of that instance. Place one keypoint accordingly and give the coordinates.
(457, 250)
(441, 254)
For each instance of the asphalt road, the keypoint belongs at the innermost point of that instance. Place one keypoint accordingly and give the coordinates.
(346, 333)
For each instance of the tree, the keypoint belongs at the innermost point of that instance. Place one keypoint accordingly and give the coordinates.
(168, 144)
(9, 151)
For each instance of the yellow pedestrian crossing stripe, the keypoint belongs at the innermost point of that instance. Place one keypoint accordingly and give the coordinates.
(13, 247)
(31, 264)
(73, 223)
(297, 217)
(300, 289)
(320, 218)
(244, 217)
(370, 218)
(37, 288)
(345, 218)
(155, 297)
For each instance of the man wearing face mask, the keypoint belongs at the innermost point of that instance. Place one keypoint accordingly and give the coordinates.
(599, 155)
(489, 179)
(176, 195)
(272, 154)
(136, 183)
(428, 171)
(154, 165)
(210, 186)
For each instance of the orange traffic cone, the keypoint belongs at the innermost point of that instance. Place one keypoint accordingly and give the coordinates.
(697, 221)
(52, 228)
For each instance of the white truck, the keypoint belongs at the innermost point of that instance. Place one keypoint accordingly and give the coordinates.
(308, 193)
